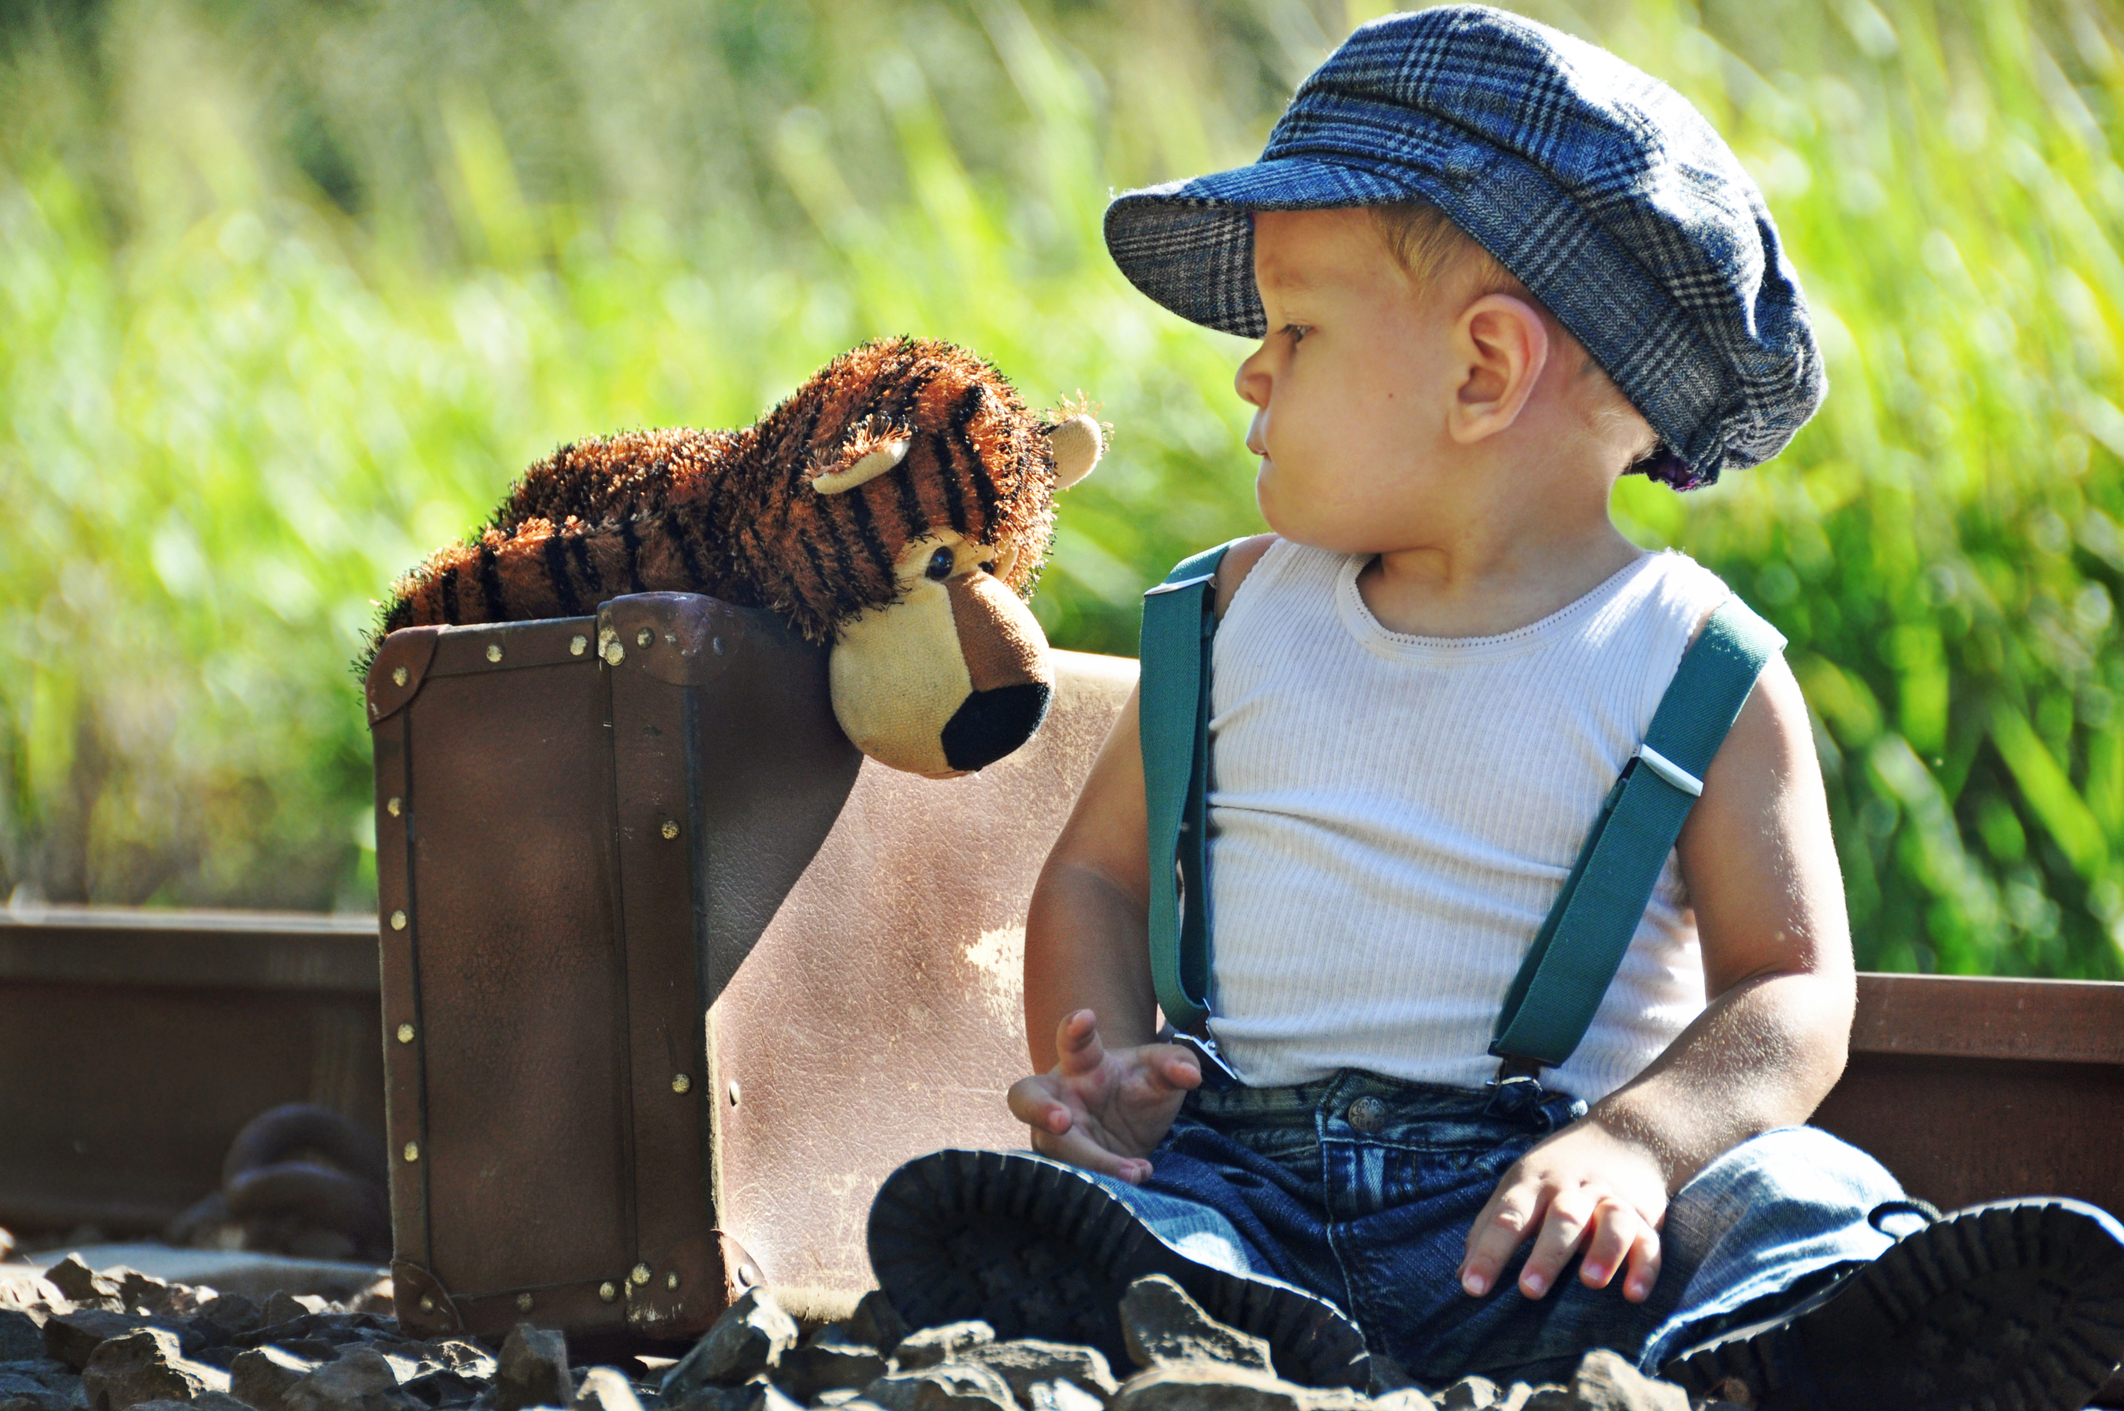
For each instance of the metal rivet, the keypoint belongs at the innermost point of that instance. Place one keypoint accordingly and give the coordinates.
(682, 1082)
(427, 1303)
(578, 644)
(393, 807)
(670, 829)
(614, 653)
(644, 637)
(399, 676)
(405, 1033)
(608, 1291)
(733, 1092)
(412, 1151)
(523, 1303)
(494, 654)
(1368, 1114)
(749, 1275)
(398, 921)
(640, 1274)
(671, 1279)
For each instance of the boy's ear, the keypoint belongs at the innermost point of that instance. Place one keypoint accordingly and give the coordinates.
(1501, 344)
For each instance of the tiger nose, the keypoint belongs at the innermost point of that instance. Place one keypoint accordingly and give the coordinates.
(1006, 665)
(992, 723)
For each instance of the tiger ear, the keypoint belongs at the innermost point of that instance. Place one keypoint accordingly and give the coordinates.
(868, 466)
(1078, 443)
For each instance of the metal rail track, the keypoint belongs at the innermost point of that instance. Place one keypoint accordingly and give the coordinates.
(134, 1045)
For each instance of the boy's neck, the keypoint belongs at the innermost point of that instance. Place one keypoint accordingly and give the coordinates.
(1497, 567)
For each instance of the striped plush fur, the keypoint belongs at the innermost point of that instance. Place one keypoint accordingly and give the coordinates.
(732, 513)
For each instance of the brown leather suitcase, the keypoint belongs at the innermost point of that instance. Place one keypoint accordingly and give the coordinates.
(672, 976)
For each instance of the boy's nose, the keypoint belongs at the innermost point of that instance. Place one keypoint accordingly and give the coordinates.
(1252, 379)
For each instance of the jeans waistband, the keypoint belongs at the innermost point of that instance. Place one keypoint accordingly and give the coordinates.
(1524, 1104)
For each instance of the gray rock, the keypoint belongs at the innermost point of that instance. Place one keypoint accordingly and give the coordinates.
(260, 1377)
(1605, 1381)
(532, 1370)
(1208, 1386)
(443, 1388)
(1060, 1396)
(1160, 1323)
(954, 1386)
(458, 1355)
(285, 1307)
(360, 1380)
(933, 1347)
(145, 1364)
(205, 1401)
(1468, 1394)
(21, 1335)
(75, 1337)
(1025, 1363)
(604, 1389)
(37, 1385)
(749, 1338)
(876, 1323)
(138, 1293)
(830, 1361)
(231, 1313)
(749, 1396)
(82, 1286)
(1405, 1399)
(1521, 1397)
(1731, 1392)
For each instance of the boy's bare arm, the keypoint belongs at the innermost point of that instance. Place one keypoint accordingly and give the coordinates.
(1762, 874)
(1087, 942)
(1103, 1094)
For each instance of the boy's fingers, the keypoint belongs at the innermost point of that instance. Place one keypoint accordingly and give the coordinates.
(1077, 1046)
(1175, 1067)
(1081, 1151)
(1033, 1104)
(1613, 1236)
(1643, 1266)
(1502, 1227)
(1563, 1229)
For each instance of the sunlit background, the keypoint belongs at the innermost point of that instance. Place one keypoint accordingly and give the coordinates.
(290, 290)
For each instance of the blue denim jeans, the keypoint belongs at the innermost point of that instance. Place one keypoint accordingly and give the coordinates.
(1275, 1182)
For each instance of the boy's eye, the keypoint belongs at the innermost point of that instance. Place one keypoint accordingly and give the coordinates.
(1295, 331)
(940, 564)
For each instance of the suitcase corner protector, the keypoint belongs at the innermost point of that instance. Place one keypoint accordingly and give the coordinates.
(423, 1305)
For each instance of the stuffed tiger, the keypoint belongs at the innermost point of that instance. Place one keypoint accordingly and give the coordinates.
(898, 505)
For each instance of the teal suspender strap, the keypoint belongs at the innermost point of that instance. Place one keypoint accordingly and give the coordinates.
(1179, 621)
(1581, 944)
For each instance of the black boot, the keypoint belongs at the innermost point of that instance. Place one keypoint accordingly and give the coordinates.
(2015, 1306)
(1035, 1248)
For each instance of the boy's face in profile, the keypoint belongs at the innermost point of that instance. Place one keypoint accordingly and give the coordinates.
(1348, 383)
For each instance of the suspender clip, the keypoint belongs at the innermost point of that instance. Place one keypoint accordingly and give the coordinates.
(1673, 773)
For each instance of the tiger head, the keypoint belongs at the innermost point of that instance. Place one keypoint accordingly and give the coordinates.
(925, 506)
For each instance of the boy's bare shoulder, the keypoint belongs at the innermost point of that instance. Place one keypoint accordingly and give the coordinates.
(1238, 561)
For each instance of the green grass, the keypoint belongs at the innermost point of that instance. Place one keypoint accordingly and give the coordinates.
(288, 292)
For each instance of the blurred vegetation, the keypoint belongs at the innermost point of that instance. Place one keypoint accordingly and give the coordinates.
(290, 289)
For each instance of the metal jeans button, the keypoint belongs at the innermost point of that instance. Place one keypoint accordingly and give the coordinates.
(1368, 1115)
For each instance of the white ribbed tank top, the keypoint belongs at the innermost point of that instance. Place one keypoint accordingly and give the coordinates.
(1392, 816)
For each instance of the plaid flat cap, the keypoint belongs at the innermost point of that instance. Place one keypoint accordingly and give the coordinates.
(1599, 187)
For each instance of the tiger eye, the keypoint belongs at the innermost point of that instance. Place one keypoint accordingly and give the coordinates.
(940, 565)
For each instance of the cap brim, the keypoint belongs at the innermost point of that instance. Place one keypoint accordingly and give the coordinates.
(1189, 245)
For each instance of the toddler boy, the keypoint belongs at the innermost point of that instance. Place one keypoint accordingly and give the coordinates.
(1493, 269)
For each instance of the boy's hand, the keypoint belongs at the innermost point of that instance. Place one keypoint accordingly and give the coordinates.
(1586, 1188)
(1104, 1110)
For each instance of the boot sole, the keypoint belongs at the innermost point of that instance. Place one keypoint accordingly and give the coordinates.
(2015, 1306)
(1037, 1249)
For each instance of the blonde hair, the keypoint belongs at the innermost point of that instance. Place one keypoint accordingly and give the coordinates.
(1433, 252)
